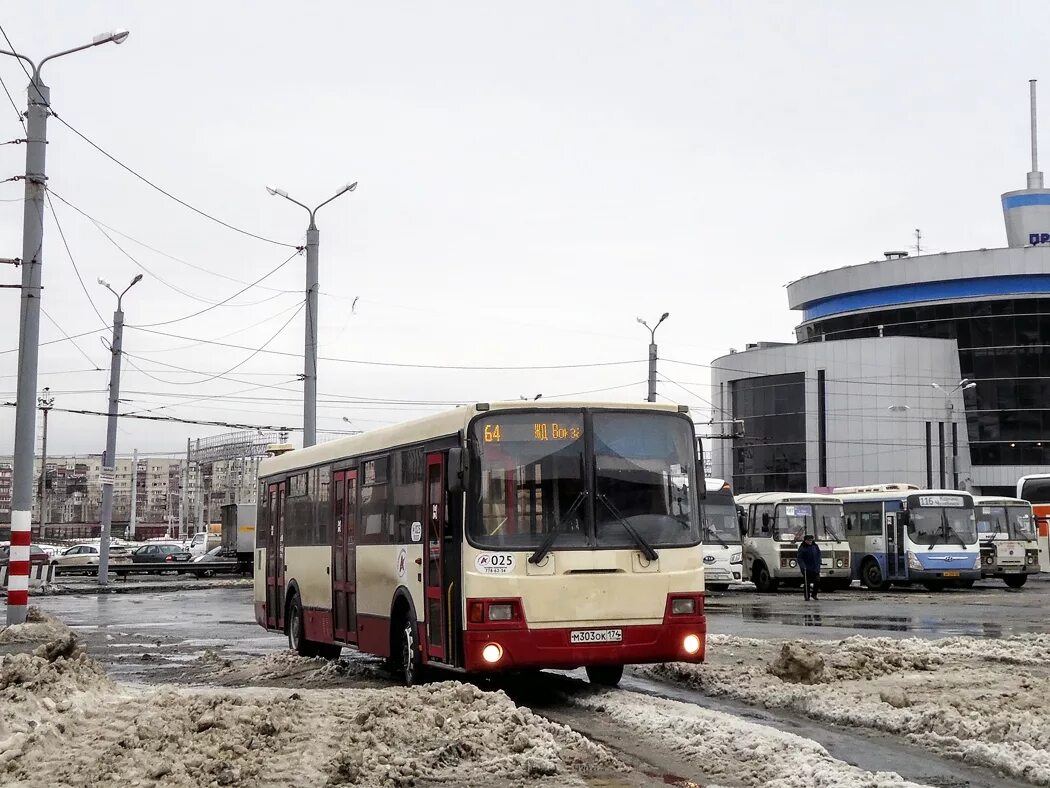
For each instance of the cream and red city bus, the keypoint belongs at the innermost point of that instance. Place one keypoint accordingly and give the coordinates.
(493, 537)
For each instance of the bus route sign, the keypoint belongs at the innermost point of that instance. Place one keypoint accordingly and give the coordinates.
(949, 501)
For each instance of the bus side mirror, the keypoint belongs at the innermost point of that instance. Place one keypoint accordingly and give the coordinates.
(701, 486)
(903, 518)
(457, 469)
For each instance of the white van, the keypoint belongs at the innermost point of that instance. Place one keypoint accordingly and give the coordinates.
(202, 542)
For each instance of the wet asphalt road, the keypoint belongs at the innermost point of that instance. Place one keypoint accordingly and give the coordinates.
(178, 627)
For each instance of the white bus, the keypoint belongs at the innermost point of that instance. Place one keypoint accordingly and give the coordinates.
(1009, 542)
(1036, 490)
(902, 535)
(493, 537)
(776, 523)
(723, 550)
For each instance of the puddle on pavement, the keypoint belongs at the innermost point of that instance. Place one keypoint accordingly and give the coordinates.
(765, 614)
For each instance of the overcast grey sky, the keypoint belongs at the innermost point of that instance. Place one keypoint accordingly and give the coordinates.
(533, 176)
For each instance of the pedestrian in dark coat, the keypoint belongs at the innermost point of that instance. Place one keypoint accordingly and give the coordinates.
(809, 565)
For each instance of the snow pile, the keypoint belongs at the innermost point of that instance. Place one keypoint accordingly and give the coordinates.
(284, 668)
(799, 664)
(977, 700)
(39, 627)
(726, 747)
(63, 722)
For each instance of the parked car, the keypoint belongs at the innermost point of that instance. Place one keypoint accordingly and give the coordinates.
(157, 553)
(202, 542)
(87, 555)
(217, 554)
(37, 555)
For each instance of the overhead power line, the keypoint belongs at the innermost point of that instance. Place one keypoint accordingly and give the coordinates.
(76, 270)
(165, 192)
(226, 424)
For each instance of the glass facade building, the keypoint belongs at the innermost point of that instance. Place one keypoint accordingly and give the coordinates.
(1004, 345)
(771, 454)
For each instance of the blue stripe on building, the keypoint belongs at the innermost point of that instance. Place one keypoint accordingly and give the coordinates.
(1021, 200)
(1027, 284)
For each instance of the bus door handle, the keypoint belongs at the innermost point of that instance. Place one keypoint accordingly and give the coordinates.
(419, 562)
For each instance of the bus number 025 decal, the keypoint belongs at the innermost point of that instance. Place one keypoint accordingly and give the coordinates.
(494, 563)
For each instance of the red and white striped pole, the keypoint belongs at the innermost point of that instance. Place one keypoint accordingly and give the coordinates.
(18, 566)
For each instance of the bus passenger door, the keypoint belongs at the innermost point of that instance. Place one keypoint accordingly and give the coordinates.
(275, 558)
(891, 546)
(344, 558)
(433, 549)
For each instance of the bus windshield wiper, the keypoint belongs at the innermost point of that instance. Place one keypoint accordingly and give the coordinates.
(645, 548)
(948, 527)
(548, 541)
(713, 532)
(933, 536)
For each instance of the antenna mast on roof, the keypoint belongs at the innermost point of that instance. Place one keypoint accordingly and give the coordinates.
(1035, 178)
(918, 242)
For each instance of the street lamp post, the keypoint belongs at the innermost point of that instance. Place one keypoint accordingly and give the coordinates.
(29, 325)
(109, 462)
(652, 353)
(949, 417)
(312, 286)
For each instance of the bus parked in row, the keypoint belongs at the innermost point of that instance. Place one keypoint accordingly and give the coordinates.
(723, 557)
(1036, 490)
(901, 535)
(1009, 542)
(776, 524)
(491, 537)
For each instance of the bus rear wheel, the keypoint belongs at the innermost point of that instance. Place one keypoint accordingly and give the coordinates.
(1015, 581)
(764, 582)
(605, 675)
(297, 641)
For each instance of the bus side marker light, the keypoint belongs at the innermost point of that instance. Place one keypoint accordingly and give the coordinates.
(691, 644)
(476, 612)
(492, 653)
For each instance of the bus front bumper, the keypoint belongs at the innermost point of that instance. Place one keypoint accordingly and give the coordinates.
(520, 648)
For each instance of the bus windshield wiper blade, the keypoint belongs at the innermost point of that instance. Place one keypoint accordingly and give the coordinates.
(714, 533)
(645, 548)
(545, 545)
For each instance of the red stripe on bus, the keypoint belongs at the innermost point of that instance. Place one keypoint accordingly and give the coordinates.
(318, 625)
(17, 598)
(16, 568)
(21, 538)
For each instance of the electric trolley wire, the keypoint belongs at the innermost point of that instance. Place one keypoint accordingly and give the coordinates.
(97, 368)
(162, 253)
(175, 419)
(165, 192)
(76, 269)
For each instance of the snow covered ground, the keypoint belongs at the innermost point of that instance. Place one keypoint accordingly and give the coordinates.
(981, 701)
(64, 722)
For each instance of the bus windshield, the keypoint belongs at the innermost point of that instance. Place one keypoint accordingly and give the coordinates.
(823, 520)
(721, 526)
(537, 482)
(942, 525)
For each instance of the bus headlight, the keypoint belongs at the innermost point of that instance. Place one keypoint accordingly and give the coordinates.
(1031, 558)
(736, 558)
(792, 563)
(976, 563)
(691, 644)
(492, 653)
(989, 560)
(913, 562)
(501, 612)
(839, 563)
(684, 606)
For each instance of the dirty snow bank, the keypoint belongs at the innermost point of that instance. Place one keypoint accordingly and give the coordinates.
(38, 628)
(63, 722)
(727, 747)
(286, 668)
(981, 701)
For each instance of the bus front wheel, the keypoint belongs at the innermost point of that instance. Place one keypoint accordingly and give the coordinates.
(871, 575)
(1015, 581)
(409, 662)
(605, 675)
(764, 582)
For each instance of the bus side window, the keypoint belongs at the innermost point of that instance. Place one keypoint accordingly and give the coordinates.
(766, 522)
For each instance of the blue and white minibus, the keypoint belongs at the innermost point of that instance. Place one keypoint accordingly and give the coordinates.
(900, 535)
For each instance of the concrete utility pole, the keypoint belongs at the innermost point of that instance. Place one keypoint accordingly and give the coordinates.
(652, 353)
(312, 286)
(109, 463)
(134, 492)
(949, 418)
(29, 327)
(45, 402)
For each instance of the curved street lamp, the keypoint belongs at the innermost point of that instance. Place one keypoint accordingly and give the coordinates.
(652, 353)
(29, 325)
(312, 286)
